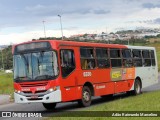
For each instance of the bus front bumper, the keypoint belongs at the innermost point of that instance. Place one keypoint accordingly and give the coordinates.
(52, 97)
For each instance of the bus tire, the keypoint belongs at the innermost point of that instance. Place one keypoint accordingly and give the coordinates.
(86, 97)
(137, 87)
(49, 106)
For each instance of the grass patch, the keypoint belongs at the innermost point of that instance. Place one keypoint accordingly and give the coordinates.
(6, 84)
(104, 118)
(144, 102)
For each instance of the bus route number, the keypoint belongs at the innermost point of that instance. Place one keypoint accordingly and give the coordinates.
(87, 74)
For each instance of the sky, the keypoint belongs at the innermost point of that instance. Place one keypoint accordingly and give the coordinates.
(22, 20)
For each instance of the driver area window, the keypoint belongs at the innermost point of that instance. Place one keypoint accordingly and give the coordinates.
(67, 61)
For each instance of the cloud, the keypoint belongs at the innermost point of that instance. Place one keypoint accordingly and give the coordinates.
(15, 38)
(24, 16)
(35, 8)
(101, 11)
(153, 21)
(146, 21)
(27, 14)
(150, 5)
(156, 21)
(50, 10)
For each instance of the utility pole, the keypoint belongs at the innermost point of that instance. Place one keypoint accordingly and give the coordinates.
(61, 25)
(2, 59)
(44, 28)
(106, 30)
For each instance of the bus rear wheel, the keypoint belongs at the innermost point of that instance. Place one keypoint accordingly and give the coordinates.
(49, 106)
(86, 97)
(137, 87)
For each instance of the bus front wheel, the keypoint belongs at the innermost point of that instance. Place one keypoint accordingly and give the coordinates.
(86, 97)
(49, 106)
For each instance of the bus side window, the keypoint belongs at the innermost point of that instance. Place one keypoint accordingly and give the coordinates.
(146, 58)
(153, 58)
(127, 58)
(87, 58)
(67, 62)
(137, 58)
(102, 58)
(115, 56)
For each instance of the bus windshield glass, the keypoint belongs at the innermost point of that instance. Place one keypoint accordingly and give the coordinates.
(35, 66)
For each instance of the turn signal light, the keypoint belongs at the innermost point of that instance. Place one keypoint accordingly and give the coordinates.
(17, 91)
(54, 88)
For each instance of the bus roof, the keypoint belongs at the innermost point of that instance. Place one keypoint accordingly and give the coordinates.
(140, 47)
(86, 44)
(58, 43)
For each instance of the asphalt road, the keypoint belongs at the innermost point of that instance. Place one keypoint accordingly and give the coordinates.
(61, 107)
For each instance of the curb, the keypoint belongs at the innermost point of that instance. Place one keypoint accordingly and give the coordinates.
(4, 99)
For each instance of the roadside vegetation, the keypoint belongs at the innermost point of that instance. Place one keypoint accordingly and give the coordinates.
(6, 83)
(6, 59)
(144, 102)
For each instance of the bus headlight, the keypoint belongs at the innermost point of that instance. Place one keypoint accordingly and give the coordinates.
(17, 91)
(54, 88)
(51, 89)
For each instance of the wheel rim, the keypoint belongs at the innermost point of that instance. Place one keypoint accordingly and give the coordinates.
(86, 96)
(137, 88)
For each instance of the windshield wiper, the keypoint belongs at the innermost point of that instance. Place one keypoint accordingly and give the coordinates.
(44, 77)
(23, 78)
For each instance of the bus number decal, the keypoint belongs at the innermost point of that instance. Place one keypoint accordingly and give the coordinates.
(87, 74)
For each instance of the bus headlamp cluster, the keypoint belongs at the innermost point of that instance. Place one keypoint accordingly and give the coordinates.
(17, 91)
(54, 88)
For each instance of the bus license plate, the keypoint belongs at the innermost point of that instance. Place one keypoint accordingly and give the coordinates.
(34, 97)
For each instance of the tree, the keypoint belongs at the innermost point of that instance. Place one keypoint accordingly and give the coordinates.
(7, 58)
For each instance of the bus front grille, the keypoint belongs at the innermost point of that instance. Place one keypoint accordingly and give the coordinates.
(30, 92)
(34, 99)
(33, 84)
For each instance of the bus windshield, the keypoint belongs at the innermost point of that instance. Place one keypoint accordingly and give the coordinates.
(35, 66)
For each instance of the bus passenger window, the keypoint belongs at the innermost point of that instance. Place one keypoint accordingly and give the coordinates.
(67, 62)
(90, 64)
(102, 58)
(153, 58)
(84, 63)
(87, 58)
(146, 58)
(137, 58)
(127, 58)
(115, 57)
